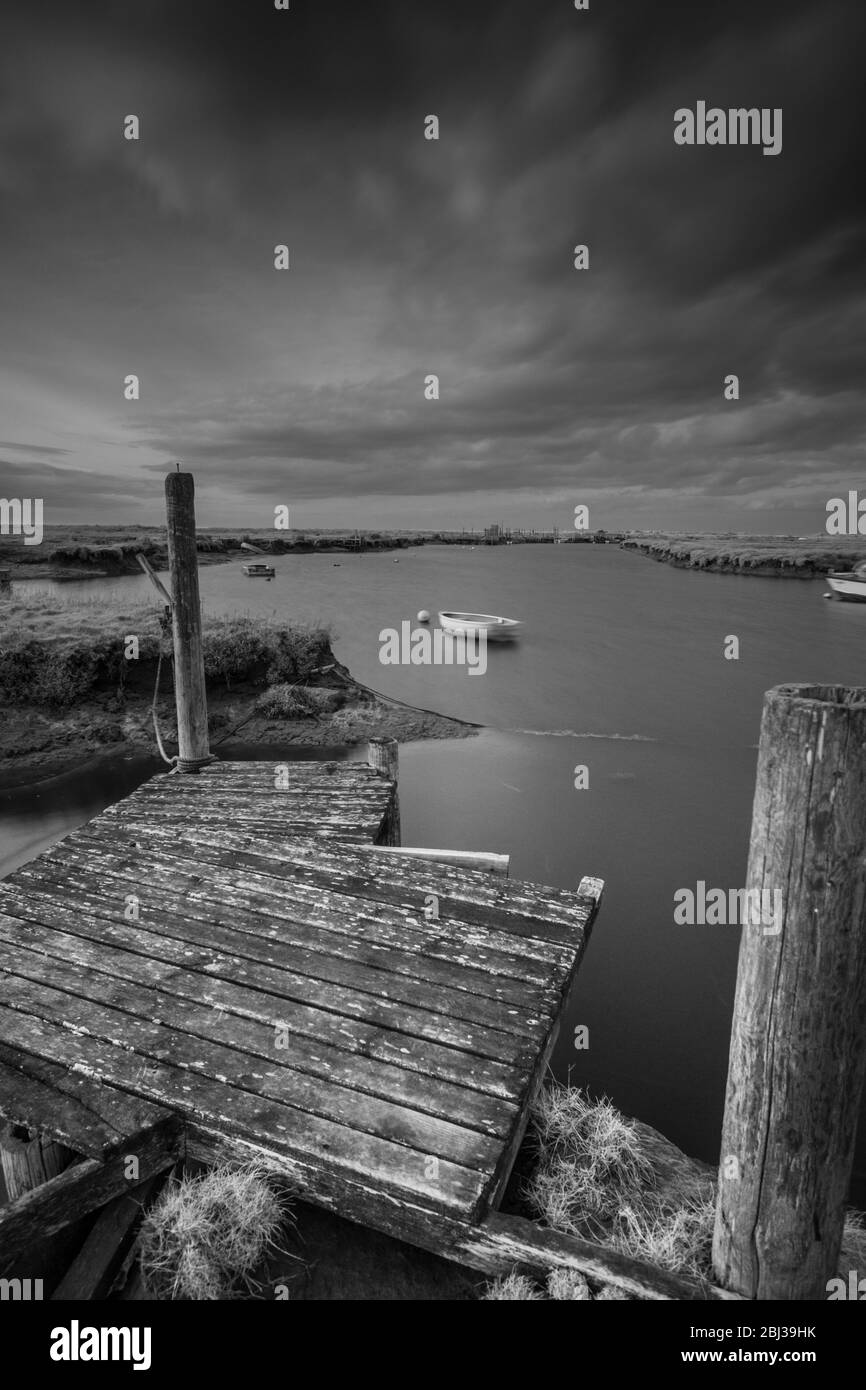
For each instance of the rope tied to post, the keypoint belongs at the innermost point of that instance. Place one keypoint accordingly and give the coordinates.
(176, 763)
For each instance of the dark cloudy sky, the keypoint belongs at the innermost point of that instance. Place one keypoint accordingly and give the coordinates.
(411, 257)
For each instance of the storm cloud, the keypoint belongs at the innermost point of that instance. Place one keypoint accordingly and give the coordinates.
(411, 257)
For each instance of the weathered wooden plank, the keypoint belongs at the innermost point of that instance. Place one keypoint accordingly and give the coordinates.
(188, 1005)
(547, 915)
(193, 911)
(482, 861)
(265, 1073)
(303, 1022)
(84, 1187)
(245, 799)
(440, 987)
(301, 821)
(394, 1169)
(286, 985)
(351, 871)
(267, 792)
(47, 1097)
(307, 770)
(442, 951)
(198, 873)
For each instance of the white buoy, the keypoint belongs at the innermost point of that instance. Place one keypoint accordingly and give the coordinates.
(423, 616)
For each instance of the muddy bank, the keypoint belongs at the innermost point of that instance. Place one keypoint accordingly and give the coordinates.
(36, 744)
(78, 684)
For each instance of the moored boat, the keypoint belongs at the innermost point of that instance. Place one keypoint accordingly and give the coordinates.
(495, 629)
(259, 571)
(849, 584)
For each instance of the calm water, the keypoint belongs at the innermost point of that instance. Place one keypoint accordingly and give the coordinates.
(621, 669)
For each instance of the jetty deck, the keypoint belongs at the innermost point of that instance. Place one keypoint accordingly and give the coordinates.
(232, 966)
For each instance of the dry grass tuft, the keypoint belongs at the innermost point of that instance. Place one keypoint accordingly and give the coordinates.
(620, 1183)
(566, 1285)
(590, 1162)
(513, 1288)
(207, 1234)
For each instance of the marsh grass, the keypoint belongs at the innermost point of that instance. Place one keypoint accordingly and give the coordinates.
(205, 1236)
(512, 1288)
(590, 1162)
(55, 651)
(617, 1182)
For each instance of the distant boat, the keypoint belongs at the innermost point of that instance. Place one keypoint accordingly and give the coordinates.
(259, 571)
(255, 549)
(469, 624)
(849, 584)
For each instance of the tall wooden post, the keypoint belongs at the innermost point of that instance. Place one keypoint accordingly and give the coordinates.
(383, 757)
(192, 733)
(798, 1049)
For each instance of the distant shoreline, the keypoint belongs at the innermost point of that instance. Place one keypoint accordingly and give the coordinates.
(90, 552)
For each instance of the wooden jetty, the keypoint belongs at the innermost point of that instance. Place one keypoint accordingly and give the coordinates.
(241, 961)
(229, 966)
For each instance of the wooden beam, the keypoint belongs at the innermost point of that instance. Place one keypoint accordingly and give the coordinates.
(494, 1244)
(460, 858)
(91, 1272)
(499, 1244)
(189, 678)
(84, 1187)
(798, 1048)
(154, 578)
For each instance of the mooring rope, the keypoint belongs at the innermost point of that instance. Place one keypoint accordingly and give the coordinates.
(153, 709)
(176, 763)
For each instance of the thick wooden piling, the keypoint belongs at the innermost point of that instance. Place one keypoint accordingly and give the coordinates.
(383, 757)
(189, 678)
(798, 1048)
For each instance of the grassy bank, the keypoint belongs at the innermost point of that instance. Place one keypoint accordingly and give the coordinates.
(778, 556)
(77, 679)
(76, 552)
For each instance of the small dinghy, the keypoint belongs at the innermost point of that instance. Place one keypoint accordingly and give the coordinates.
(495, 629)
(259, 571)
(849, 584)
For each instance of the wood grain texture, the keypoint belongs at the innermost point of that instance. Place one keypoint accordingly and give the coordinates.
(798, 1048)
(84, 1188)
(189, 678)
(410, 1041)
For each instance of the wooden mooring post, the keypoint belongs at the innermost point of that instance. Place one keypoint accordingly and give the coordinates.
(798, 1048)
(383, 756)
(189, 679)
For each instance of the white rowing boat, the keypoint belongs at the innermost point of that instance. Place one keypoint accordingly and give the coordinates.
(494, 628)
(849, 584)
